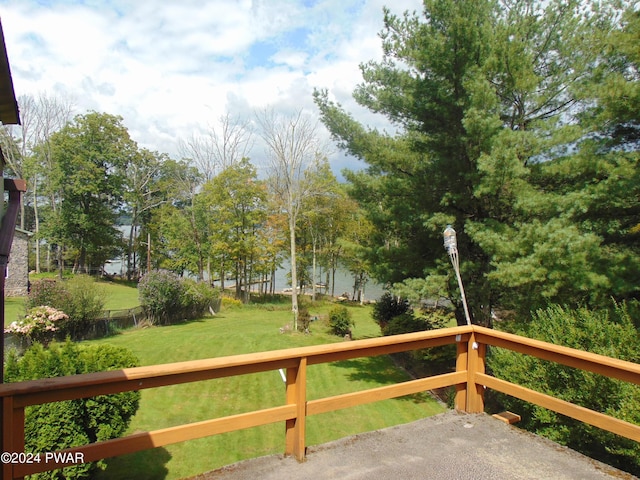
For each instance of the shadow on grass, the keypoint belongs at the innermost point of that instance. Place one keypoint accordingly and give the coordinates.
(186, 322)
(145, 465)
(115, 331)
(379, 371)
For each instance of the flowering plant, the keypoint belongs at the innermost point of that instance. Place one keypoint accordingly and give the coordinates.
(38, 324)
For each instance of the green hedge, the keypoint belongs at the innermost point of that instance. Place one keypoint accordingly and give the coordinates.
(80, 297)
(54, 426)
(605, 332)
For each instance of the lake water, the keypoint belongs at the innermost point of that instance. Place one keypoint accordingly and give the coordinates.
(344, 281)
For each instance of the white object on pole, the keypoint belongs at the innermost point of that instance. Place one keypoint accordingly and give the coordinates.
(451, 245)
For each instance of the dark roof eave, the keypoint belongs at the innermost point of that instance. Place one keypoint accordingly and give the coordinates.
(9, 113)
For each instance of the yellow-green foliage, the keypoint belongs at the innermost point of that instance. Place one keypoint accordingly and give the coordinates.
(228, 302)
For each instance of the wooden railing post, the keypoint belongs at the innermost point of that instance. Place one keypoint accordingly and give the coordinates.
(12, 433)
(461, 365)
(297, 394)
(476, 364)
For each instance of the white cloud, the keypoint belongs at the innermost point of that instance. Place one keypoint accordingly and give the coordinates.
(171, 68)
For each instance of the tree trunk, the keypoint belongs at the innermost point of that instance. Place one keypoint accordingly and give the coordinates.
(247, 282)
(272, 286)
(37, 224)
(238, 282)
(333, 281)
(313, 272)
(294, 273)
(198, 245)
(60, 262)
(134, 220)
(326, 283)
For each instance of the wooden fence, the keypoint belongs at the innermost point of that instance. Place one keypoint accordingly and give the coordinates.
(469, 380)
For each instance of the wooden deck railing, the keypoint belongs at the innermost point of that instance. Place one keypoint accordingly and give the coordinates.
(469, 380)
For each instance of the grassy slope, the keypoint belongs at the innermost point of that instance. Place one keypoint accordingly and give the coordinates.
(247, 330)
(118, 295)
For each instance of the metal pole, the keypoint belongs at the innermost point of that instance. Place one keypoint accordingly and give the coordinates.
(451, 245)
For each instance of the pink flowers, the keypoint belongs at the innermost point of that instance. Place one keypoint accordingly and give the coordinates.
(39, 323)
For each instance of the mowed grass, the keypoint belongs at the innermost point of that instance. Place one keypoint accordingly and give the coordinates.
(118, 295)
(247, 330)
(13, 309)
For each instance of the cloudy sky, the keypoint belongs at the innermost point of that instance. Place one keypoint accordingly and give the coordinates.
(171, 68)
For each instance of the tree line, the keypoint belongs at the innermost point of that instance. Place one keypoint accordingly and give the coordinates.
(208, 214)
(517, 123)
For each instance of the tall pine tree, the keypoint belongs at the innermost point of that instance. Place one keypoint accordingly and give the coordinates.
(485, 95)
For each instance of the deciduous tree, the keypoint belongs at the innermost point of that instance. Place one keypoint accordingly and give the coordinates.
(146, 190)
(234, 204)
(178, 231)
(27, 151)
(91, 155)
(293, 147)
(223, 145)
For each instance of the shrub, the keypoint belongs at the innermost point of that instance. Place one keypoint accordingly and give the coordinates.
(605, 332)
(54, 426)
(39, 325)
(197, 298)
(340, 321)
(428, 360)
(47, 291)
(160, 294)
(304, 318)
(387, 307)
(405, 323)
(80, 297)
(228, 302)
(84, 305)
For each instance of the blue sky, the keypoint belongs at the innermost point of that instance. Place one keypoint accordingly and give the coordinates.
(171, 68)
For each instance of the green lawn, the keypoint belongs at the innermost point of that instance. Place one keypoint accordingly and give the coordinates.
(13, 309)
(245, 330)
(118, 295)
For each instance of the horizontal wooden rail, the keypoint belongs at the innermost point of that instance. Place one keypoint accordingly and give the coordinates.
(166, 436)
(586, 415)
(599, 364)
(469, 379)
(347, 400)
(592, 362)
(35, 392)
(17, 396)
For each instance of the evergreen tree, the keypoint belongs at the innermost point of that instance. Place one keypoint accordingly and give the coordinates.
(485, 96)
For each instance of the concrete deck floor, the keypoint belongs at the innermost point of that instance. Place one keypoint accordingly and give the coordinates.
(443, 447)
